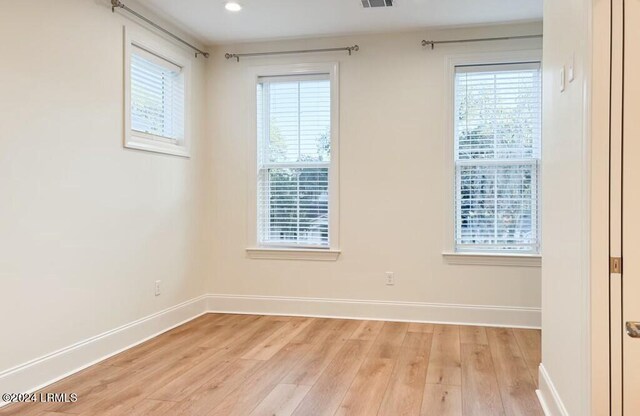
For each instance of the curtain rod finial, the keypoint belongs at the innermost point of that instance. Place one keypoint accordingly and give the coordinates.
(114, 4)
(428, 42)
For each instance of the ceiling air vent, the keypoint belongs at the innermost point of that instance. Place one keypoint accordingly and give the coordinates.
(376, 3)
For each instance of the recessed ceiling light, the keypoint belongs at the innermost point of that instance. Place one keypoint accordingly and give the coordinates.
(233, 6)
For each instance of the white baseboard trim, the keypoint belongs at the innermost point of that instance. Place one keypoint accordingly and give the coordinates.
(48, 369)
(548, 395)
(516, 317)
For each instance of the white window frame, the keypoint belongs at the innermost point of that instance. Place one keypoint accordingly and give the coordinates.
(162, 48)
(255, 249)
(449, 252)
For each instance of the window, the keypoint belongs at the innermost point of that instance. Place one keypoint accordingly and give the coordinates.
(157, 96)
(156, 82)
(294, 134)
(497, 128)
(296, 170)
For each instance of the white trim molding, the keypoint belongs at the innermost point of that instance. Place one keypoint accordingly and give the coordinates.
(489, 259)
(40, 372)
(548, 395)
(502, 316)
(293, 254)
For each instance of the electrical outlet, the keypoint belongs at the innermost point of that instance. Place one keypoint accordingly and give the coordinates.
(390, 280)
(158, 287)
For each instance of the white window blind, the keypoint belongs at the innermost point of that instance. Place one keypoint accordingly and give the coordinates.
(294, 150)
(497, 157)
(157, 96)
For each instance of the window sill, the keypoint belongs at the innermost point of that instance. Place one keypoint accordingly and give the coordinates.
(146, 142)
(491, 259)
(293, 254)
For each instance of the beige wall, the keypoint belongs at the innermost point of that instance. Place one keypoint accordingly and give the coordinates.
(86, 226)
(392, 178)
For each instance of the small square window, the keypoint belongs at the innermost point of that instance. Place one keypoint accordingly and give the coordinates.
(156, 81)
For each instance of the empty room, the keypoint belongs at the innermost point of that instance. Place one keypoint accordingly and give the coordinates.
(338, 207)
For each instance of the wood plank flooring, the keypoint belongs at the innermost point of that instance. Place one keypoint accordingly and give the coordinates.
(249, 365)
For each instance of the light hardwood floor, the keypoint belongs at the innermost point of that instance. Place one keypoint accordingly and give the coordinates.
(251, 365)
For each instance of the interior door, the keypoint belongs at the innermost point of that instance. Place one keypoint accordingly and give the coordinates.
(631, 210)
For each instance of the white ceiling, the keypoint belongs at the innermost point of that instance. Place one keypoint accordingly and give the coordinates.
(272, 19)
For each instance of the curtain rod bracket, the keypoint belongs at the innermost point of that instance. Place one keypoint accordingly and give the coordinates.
(232, 55)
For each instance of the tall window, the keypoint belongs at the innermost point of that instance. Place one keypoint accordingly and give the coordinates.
(497, 157)
(294, 160)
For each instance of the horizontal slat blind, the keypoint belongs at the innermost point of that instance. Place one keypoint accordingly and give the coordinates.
(294, 126)
(157, 96)
(497, 155)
